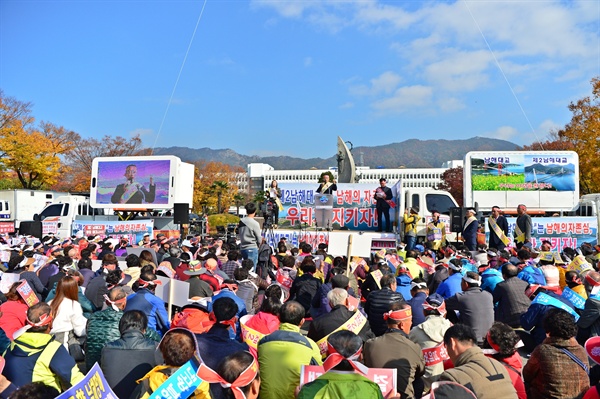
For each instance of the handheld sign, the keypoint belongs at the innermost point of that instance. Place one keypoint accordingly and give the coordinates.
(93, 386)
(385, 378)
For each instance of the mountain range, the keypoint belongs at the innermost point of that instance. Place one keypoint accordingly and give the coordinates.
(411, 153)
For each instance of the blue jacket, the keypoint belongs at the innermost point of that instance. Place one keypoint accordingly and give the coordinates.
(213, 346)
(37, 357)
(450, 286)
(533, 319)
(489, 279)
(154, 307)
(532, 275)
(225, 293)
(416, 303)
(403, 285)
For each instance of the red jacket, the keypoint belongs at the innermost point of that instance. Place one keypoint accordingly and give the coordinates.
(514, 366)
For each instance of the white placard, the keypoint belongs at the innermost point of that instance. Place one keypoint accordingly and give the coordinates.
(181, 291)
(361, 244)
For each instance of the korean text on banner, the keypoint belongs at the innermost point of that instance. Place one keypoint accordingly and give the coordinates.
(93, 386)
(385, 378)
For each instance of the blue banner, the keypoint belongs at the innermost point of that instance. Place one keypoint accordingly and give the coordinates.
(577, 300)
(353, 205)
(93, 386)
(561, 232)
(181, 384)
(545, 299)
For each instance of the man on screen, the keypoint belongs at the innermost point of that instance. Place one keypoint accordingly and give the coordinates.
(133, 192)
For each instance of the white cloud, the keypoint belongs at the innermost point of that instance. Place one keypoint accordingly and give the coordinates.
(308, 61)
(384, 83)
(450, 104)
(404, 98)
(347, 105)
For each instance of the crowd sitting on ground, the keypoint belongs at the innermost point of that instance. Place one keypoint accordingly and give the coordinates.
(453, 323)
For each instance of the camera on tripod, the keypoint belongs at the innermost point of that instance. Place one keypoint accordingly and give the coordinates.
(268, 210)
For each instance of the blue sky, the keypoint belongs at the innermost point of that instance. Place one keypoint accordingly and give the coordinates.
(286, 77)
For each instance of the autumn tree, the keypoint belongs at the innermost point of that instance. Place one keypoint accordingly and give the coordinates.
(215, 180)
(552, 143)
(79, 159)
(29, 152)
(452, 181)
(583, 132)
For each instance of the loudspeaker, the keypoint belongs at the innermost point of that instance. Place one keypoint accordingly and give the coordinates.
(31, 228)
(457, 219)
(181, 213)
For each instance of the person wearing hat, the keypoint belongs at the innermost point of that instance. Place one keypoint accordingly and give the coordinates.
(410, 220)
(327, 323)
(395, 350)
(383, 198)
(469, 230)
(452, 285)
(23, 266)
(145, 242)
(429, 335)
(198, 288)
(472, 307)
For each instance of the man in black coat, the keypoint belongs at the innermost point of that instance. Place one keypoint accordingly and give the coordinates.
(329, 322)
(131, 357)
(496, 219)
(379, 302)
(383, 194)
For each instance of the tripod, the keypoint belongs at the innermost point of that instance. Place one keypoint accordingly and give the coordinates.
(267, 230)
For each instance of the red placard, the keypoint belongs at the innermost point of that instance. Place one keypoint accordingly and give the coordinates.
(27, 294)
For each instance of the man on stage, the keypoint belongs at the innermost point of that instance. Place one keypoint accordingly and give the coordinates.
(383, 195)
(498, 230)
(522, 231)
(326, 187)
(469, 232)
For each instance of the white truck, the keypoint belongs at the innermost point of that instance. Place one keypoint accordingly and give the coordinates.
(425, 200)
(20, 205)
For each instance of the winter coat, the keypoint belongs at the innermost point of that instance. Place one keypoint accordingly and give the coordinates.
(551, 373)
(450, 286)
(37, 357)
(102, 327)
(589, 322)
(394, 350)
(476, 309)
(303, 290)
(345, 385)
(69, 317)
(416, 303)
(490, 279)
(427, 335)
(157, 376)
(154, 307)
(487, 378)
(514, 366)
(280, 355)
(511, 301)
(127, 359)
(329, 322)
(377, 304)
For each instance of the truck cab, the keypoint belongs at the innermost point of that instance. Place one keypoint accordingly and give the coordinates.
(426, 200)
(58, 217)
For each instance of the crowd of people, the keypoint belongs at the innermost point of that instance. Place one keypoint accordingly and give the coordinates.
(511, 323)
